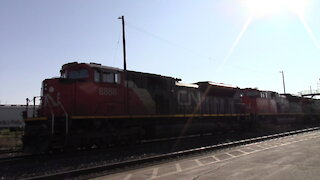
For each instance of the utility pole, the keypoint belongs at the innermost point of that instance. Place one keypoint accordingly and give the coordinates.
(124, 43)
(284, 86)
(126, 94)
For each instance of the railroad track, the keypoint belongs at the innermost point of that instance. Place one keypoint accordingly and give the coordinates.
(7, 151)
(14, 157)
(129, 164)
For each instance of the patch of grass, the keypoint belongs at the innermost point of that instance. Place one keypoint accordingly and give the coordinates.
(10, 139)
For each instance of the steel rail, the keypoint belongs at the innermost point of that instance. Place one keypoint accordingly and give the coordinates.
(8, 151)
(15, 156)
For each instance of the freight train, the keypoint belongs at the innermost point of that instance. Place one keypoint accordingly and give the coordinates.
(11, 116)
(95, 105)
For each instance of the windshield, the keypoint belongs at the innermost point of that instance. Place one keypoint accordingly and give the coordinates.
(75, 74)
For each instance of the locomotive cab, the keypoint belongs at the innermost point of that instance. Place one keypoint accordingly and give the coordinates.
(82, 89)
(259, 101)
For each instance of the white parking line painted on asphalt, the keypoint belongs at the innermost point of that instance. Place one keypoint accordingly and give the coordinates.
(154, 172)
(198, 162)
(242, 151)
(230, 154)
(178, 167)
(214, 157)
(128, 177)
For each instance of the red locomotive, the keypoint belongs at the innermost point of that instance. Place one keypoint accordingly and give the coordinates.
(91, 104)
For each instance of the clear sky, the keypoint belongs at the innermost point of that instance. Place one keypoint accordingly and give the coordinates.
(237, 42)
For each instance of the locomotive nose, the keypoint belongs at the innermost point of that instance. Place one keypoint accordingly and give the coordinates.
(50, 96)
(49, 86)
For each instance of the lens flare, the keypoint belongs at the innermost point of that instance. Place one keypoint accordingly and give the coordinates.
(310, 32)
(263, 8)
(297, 6)
(235, 43)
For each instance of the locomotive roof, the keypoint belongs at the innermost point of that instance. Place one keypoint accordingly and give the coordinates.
(211, 88)
(293, 98)
(259, 90)
(216, 84)
(155, 75)
(187, 85)
(99, 66)
(93, 65)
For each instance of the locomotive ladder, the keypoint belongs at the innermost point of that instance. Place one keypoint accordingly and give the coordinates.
(53, 118)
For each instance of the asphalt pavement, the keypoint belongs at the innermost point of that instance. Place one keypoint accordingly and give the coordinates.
(294, 157)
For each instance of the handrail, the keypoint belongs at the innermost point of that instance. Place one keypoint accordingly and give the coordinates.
(34, 106)
(67, 119)
(52, 117)
(309, 92)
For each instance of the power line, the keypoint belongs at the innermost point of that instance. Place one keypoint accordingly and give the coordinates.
(174, 44)
(116, 49)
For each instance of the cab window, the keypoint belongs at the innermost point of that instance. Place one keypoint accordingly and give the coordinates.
(78, 74)
(64, 74)
(253, 94)
(96, 76)
(263, 95)
(108, 77)
(117, 78)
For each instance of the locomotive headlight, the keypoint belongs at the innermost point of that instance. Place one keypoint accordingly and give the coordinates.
(51, 89)
(45, 87)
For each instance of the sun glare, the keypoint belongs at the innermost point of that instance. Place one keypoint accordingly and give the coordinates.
(297, 6)
(263, 8)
